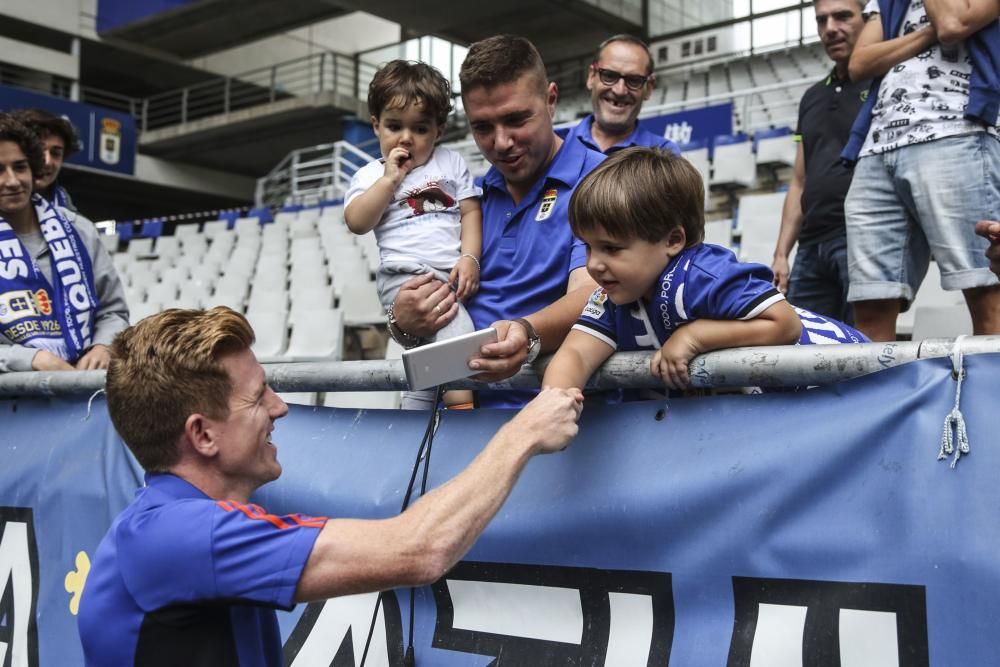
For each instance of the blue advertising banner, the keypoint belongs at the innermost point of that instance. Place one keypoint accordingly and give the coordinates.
(109, 138)
(683, 127)
(809, 528)
(113, 14)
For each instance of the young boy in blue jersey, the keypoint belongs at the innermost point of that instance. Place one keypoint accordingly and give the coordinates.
(419, 199)
(641, 214)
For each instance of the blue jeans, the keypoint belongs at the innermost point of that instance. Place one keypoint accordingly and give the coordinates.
(819, 279)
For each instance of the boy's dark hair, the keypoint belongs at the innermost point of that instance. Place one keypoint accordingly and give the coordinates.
(43, 123)
(628, 39)
(402, 82)
(13, 130)
(641, 193)
(501, 59)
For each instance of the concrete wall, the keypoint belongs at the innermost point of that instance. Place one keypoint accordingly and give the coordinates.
(348, 34)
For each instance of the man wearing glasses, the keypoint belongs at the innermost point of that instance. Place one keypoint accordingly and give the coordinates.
(619, 80)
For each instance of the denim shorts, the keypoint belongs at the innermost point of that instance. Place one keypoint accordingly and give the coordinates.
(919, 201)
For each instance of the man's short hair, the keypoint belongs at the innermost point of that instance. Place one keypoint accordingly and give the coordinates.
(402, 82)
(641, 193)
(13, 130)
(629, 39)
(861, 4)
(166, 368)
(44, 124)
(501, 59)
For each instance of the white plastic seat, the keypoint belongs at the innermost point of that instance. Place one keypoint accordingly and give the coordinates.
(192, 296)
(360, 303)
(719, 232)
(267, 297)
(700, 161)
(733, 165)
(140, 247)
(308, 215)
(110, 243)
(298, 398)
(271, 331)
(186, 231)
(778, 150)
(141, 310)
(164, 294)
(941, 322)
(247, 227)
(317, 337)
(759, 218)
(167, 247)
(362, 400)
(214, 228)
(230, 293)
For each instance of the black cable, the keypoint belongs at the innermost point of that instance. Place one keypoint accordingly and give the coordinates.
(425, 443)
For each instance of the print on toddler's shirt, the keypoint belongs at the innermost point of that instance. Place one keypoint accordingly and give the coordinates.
(429, 198)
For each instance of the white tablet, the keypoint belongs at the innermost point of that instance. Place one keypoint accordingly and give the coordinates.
(446, 360)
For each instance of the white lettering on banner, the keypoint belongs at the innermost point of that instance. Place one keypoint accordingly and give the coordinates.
(15, 268)
(679, 133)
(553, 615)
(793, 622)
(333, 632)
(61, 249)
(52, 229)
(69, 266)
(18, 588)
(10, 247)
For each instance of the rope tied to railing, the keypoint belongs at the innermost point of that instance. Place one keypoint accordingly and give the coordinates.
(955, 419)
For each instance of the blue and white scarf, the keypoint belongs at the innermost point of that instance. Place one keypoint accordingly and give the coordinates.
(56, 317)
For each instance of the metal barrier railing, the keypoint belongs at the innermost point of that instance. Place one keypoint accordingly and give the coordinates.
(313, 174)
(774, 366)
(321, 72)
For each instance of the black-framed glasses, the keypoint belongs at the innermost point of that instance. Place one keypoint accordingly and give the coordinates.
(610, 77)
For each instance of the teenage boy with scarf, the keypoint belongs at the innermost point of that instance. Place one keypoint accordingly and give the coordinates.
(59, 141)
(61, 302)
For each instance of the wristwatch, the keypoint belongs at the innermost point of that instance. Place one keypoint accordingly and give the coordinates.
(534, 340)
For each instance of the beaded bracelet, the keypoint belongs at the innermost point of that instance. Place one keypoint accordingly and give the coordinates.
(474, 259)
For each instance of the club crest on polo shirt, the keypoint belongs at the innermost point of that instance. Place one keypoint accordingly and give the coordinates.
(548, 203)
(595, 304)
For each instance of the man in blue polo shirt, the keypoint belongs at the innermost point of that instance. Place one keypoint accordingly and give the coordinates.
(619, 80)
(534, 281)
(190, 573)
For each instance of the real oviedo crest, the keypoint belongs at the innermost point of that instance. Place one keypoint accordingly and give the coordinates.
(548, 204)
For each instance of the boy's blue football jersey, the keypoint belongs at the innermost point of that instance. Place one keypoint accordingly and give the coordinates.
(704, 281)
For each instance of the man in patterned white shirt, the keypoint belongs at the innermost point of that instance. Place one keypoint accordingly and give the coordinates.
(928, 158)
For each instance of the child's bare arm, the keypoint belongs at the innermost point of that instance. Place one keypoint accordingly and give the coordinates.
(778, 325)
(576, 360)
(365, 210)
(466, 271)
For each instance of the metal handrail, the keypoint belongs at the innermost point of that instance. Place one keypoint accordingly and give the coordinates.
(313, 174)
(772, 366)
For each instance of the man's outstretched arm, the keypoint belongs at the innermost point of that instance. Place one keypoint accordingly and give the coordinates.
(420, 545)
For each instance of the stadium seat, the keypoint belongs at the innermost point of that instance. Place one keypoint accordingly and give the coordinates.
(733, 164)
(775, 147)
(141, 310)
(110, 243)
(271, 329)
(140, 247)
(268, 296)
(719, 232)
(941, 322)
(318, 336)
(187, 230)
(697, 153)
(214, 228)
(758, 218)
(246, 227)
(300, 398)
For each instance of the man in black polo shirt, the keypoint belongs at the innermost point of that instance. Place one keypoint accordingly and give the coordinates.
(813, 214)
